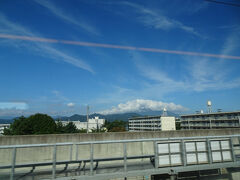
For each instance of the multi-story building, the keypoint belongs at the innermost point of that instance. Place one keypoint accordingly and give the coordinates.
(151, 123)
(93, 123)
(211, 120)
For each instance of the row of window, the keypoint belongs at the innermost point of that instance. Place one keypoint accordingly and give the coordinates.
(144, 126)
(214, 116)
(157, 120)
(212, 123)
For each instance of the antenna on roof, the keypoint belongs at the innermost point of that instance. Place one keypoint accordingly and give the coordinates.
(209, 106)
(164, 112)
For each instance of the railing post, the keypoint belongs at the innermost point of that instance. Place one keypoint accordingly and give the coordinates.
(70, 154)
(196, 152)
(125, 156)
(76, 152)
(54, 161)
(169, 154)
(220, 144)
(91, 159)
(209, 151)
(14, 150)
(232, 149)
(184, 158)
(156, 154)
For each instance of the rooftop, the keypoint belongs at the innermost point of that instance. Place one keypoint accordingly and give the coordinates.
(212, 113)
(147, 117)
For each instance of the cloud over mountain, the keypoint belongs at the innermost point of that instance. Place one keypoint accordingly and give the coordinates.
(139, 105)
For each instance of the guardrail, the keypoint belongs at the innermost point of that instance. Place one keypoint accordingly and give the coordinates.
(171, 155)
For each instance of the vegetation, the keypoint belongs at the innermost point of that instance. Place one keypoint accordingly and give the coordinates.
(178, 126)
(116, 126)
(38, 124)
(44, 124)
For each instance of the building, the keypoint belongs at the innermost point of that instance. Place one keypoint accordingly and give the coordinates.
(2, 127)
(211, 120)
(151, 123)
(93, 123)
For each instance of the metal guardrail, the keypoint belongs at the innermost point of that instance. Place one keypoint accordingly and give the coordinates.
(154, 158)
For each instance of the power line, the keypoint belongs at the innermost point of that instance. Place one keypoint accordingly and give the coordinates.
(112, 46)
(225, 3)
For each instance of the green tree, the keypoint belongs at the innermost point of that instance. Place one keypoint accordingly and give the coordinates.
(99, 130)
(82, 130)
(178, 126)
(35, 124)
(115, 126)
(20, 126)
(42, 124)
(59, 127)
(70, 128)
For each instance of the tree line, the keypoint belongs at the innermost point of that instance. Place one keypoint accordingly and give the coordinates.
(44, 124)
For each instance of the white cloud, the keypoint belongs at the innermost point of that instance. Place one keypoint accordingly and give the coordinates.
(178, 7)
(208, 74)
(13, 105)
(70, 104)
(200, 74)
(139, 105)
(56, 54)
(11, 113)
(59, 97)
(41, 49)
(232, 41)
(155, 19)
(66, 17)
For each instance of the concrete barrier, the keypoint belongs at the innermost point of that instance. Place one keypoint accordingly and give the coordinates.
(45, 154)
(58, 138)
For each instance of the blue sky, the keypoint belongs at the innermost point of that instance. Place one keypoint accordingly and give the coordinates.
(62, 79)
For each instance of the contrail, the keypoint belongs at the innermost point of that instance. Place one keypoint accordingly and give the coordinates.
(111, 46)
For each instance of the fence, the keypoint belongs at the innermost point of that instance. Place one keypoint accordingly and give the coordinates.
(90, 160)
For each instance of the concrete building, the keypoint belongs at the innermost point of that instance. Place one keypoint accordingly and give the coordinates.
(93, 123)
(211, 120)
(152, 123)
(2, 127)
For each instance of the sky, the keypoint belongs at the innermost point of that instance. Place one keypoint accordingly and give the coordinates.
(58, 56)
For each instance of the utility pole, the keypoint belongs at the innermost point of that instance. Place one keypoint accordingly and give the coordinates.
(87, 117)
(97, 126)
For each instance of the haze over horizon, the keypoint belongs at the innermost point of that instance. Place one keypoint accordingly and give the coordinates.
(59, 56)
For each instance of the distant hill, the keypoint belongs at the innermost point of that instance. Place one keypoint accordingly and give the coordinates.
(123, 117)
(112, 117)
(6, 121)
(108, 117)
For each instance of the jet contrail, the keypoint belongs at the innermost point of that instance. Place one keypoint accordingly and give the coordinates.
(90, 44)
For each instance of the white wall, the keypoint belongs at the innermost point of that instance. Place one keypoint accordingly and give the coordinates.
(168, 123)
(92, 123)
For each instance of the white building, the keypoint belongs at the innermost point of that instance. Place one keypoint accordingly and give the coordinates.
(2, 127)
(152, 123)
(93, 123)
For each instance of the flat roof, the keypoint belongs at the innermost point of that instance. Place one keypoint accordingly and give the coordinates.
(144, 117)
(147, 117)
(212, 113)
